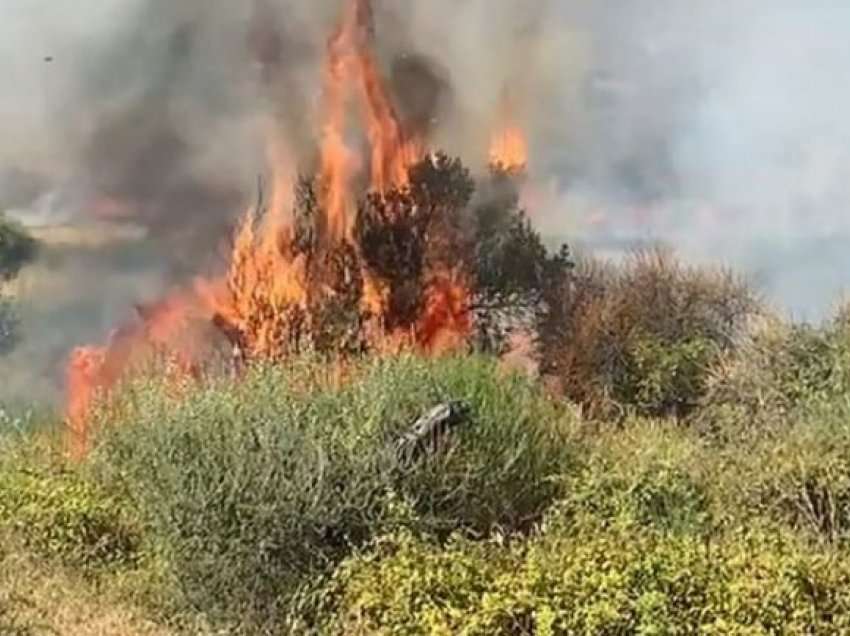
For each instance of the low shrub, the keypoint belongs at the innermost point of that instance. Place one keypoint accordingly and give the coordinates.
(775, 372)
(640, 336)
(58, 514)
(800, 477)
(594, 581)
(648, 475)
(254, 489)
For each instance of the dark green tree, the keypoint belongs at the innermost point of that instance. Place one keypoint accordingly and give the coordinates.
(16, 249)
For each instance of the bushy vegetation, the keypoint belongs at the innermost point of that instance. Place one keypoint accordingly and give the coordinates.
(776, 370)
(60, 515)
(641, 336)
(719, 503)
(254, 489)
(626, 580)
(16, 249)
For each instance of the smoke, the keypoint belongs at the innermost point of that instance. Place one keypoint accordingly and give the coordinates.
(721, 132)
(724, 133)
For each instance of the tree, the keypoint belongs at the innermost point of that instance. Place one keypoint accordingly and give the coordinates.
(16, 249)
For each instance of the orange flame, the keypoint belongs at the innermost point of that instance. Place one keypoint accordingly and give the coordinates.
(392, 154)
(508, 145)
(446, 322)
(266, 296)
(93, 371)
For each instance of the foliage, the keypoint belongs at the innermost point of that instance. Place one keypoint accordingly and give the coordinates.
(11, 624)
(799, 473)
(647, 479)
(60, 515)
(641, 335)
(9, 324)
(619, 581)
(519, 282)
(776, 370)
(16, 249)
(254, 490)
(409, 233)
(625, 580)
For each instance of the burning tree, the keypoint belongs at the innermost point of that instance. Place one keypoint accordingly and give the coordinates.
(406, 256)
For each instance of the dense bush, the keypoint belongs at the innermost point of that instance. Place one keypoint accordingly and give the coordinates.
(642, 335)
(648, 474)
(588, 580)
(58, 514)
(251, 489)
(773, 372)
(11, 623)
(798, 473)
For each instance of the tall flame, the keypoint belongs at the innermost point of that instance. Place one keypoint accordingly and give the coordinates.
(508, 144)
(271, 286)
(392, 153)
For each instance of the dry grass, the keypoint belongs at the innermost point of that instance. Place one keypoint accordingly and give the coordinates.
(42, 602)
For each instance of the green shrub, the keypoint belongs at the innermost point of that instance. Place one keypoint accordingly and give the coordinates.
(253, 488)
(594, 581)
(640, 336)
(650, 474)
(775, 372)
(11, 624)
(801, 476)
(60, 515)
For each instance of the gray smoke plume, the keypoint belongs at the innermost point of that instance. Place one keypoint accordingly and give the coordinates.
(722, 132)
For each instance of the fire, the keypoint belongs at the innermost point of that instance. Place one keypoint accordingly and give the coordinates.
(445, 322)
(93, 371)
(508, 145)
(392, 154)
(280, 280)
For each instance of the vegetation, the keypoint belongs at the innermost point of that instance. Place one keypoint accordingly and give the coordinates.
(680, 464)
(641, 336)
(16, 249)
(262, 486)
